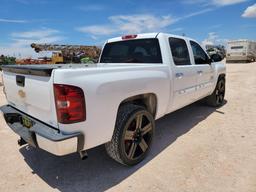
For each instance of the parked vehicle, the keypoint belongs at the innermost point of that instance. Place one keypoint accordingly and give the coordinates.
(241, 51)
(139, 78)
(217, 50)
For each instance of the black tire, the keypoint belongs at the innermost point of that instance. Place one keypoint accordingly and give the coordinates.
(216, 99)
(133, 135)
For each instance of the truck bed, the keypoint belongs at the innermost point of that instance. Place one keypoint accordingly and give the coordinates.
(39, 70)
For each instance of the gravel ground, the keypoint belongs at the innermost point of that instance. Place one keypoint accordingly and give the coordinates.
(196, 149)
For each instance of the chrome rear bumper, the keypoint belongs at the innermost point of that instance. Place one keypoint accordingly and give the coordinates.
(41, 135)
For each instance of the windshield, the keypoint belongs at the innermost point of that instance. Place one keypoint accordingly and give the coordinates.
(132, 51)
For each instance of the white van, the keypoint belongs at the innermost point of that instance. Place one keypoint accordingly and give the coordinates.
(241, 50)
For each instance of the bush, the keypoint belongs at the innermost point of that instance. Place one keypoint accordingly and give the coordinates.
(5, 60)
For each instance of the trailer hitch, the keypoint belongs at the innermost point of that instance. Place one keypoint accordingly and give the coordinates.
(21, 142)
(12, 117)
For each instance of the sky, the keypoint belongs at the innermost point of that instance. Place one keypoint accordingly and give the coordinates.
(92, 22)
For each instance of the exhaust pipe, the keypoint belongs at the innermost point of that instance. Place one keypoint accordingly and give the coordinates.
(83, 155)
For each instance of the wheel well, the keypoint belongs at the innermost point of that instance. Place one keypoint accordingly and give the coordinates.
(148, 101)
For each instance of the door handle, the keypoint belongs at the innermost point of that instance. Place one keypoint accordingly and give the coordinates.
(199, 72)
(179, 75)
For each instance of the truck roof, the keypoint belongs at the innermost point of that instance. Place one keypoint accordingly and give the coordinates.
(145, 36)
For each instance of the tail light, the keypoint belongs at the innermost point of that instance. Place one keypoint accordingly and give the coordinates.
(70, 104)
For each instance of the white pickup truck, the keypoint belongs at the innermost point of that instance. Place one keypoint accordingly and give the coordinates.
(139, 78)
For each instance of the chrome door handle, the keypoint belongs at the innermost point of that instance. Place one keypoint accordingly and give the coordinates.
(179, 75)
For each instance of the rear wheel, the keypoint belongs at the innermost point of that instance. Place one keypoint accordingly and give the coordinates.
(216, 99)
(133, 135)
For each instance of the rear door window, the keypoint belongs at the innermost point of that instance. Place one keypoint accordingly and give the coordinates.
(180, 52)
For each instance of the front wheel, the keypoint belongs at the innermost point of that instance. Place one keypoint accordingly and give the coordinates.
(216, 99)
(132, 136)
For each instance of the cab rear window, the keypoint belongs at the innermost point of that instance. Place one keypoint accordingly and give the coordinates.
(132, 51)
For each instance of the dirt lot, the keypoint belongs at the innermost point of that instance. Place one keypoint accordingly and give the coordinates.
(196, 149)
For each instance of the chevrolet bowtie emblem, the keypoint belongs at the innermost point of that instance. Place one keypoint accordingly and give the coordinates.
(22, 94)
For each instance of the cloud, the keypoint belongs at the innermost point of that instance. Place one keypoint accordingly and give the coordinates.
(98, 29)
(28, 42)
(20, 44)
(94, 7)
(250, 12)
(214, 2)
(226, 2)
(210, 40)
(193, 1)
(44, 32)
(12, 21)
(177, 29)
(215, 26)
(196, 13)
(214, 39)
(140, 23)
(28, 2)
(18, 52)
(129, 24)
(44, 35)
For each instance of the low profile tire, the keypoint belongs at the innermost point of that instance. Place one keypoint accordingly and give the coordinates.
(133, 135)
(216, 99)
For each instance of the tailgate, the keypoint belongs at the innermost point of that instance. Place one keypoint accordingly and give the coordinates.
(30, 90)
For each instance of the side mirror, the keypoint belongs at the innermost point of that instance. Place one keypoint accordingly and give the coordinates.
(216, 58)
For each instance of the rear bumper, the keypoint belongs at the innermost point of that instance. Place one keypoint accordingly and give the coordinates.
(41, 135)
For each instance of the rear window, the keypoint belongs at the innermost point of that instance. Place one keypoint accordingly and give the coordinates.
(132, 51)
(237, 47)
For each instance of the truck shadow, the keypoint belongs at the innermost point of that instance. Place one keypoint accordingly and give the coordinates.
(99, 172)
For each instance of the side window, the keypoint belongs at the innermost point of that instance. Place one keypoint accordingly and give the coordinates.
(180, 52)
(199, 55)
